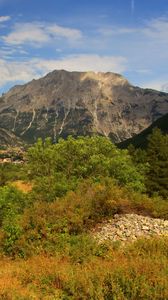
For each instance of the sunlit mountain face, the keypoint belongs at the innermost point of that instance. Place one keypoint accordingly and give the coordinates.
(80, 103)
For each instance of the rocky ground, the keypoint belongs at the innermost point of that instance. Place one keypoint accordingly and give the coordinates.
(129, 227)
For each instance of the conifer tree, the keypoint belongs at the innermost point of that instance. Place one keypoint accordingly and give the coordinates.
(157, 157)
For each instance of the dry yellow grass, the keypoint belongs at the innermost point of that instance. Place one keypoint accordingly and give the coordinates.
(22, 278)
(23, 186)
(132, 272)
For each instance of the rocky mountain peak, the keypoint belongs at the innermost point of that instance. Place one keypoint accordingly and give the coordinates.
(80, 103)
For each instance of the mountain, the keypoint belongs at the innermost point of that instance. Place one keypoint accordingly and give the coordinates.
(8, 138)
(140, 140)
(80, 103)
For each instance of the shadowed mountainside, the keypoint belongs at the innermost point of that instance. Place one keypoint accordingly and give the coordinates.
(140, 140)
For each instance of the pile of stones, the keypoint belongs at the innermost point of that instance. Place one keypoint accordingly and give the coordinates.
(129, 227)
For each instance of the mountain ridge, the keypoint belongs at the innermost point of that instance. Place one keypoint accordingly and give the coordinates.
(80, 103)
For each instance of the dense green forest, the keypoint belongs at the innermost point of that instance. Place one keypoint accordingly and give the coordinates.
(46, 247)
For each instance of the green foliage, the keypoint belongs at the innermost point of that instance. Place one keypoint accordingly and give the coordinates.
(62, 166)
(3, 175)
(49, 187)
(12, 233)
(12, 203)
(138, 155)
(154, 162)
(157, 157)
(10, 172)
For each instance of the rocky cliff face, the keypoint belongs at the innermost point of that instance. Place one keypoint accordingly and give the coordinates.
(80, 103)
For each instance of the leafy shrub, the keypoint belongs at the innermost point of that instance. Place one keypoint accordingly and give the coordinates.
(12, 233)
(10, 172)
(60, 167)
(12, 203)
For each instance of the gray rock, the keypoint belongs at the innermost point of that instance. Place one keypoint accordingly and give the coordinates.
(129, 227)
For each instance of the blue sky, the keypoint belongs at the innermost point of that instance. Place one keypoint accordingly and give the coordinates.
(129, 37)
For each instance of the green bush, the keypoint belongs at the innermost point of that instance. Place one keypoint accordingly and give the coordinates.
(60, 167)
(12, 203)
(157, 157)
(12, 233)
(11, 172)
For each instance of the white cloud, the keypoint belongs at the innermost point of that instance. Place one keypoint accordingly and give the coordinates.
(160, 85)
(65, 32)
(143, 71)
(113, 31)
(165, 87)
(16, 71)
(86, 63)
(157, 28)
(38, 34)
(10, 52)
(27, 33)
(4, 18)
(25, 71)
(144, 46)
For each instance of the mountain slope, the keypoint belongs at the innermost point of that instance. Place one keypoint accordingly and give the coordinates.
(140, 140)
(80, 103)
(7, 138)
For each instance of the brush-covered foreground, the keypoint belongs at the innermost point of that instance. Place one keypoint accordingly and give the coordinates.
(138, 271)
(46, 249)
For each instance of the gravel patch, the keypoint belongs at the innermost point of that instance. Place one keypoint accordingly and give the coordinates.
(129, 227)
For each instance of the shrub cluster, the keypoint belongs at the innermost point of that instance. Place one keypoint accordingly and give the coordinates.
(77, 184)
(61, 167)
(30, 226)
